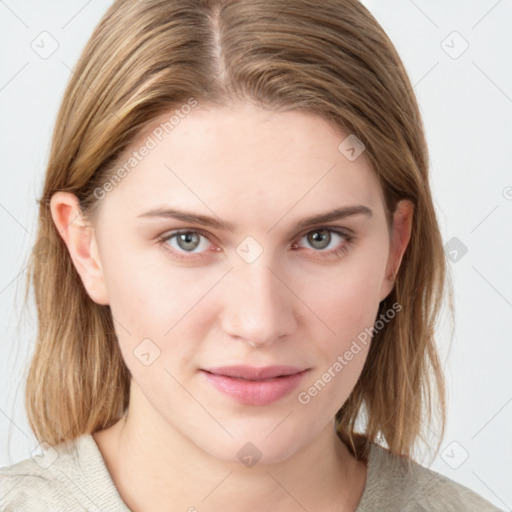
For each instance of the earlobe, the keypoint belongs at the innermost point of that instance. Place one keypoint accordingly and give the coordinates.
(400, 237)
(80, 240)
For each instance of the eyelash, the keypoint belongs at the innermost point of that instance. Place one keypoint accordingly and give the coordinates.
(348, 240)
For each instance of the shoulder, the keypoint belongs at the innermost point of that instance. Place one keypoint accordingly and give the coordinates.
(399, 483)
(38, 483)
(70, 476)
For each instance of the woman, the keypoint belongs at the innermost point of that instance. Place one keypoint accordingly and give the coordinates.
(242, 261)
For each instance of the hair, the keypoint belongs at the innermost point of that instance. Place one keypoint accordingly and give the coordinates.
(144, 59)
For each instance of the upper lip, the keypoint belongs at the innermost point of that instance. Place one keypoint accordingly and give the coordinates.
(254, 373)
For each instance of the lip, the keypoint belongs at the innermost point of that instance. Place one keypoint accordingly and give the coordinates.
(250, 385)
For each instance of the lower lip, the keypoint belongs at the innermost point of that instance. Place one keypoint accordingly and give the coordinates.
(255, 392)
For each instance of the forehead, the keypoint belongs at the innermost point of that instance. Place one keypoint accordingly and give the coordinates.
(242, 158)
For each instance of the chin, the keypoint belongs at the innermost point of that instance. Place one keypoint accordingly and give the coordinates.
(252, 447)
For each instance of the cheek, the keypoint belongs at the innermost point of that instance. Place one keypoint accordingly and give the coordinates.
(148, 292)
(348, 300)
(158, 308)
(352, 305)
(348, 304)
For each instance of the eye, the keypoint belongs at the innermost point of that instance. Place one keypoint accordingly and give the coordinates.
(192, 243)
(185, 241)
(328, 241)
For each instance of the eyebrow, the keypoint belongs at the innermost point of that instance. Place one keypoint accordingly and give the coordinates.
(216, 223)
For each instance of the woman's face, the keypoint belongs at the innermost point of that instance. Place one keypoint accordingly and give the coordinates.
(253, 285)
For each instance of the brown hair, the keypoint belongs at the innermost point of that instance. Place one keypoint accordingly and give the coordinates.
(148, 57)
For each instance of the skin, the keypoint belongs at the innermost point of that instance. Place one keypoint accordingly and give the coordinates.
(263, 171)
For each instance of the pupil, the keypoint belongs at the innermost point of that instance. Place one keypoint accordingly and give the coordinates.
(322, 237)
(188, 238)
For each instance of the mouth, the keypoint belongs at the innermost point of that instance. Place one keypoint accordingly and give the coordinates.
(255, 386)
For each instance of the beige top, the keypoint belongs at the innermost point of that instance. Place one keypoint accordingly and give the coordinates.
(77, 479)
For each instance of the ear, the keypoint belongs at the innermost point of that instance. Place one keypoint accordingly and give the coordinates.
(79, 237)
(399, 239)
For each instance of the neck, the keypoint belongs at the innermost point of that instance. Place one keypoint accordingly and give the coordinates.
(156, 468)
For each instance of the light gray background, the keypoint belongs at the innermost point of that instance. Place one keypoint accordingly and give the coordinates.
(466, 102)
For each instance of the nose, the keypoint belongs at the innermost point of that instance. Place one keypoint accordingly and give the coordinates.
(258, 307)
